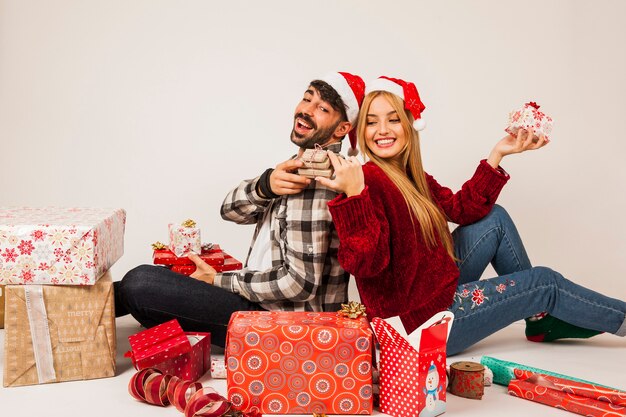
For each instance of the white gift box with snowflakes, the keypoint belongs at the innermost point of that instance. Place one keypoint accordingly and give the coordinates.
(527, 117)
(59, 246)
(185, 238)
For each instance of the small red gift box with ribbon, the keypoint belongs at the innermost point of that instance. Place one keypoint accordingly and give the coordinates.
(213, 255)
(167, 348)
(230, 264)
(413, 367)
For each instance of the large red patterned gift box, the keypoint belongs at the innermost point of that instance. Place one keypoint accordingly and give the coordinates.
(413, 367)
(299, 363)
(60, 246)
(167, 348)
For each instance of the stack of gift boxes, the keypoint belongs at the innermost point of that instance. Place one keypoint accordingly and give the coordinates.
(166, 347)
(186, 238)
(59, 313)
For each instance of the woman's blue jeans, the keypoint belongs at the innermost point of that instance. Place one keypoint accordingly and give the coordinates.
(482, 307)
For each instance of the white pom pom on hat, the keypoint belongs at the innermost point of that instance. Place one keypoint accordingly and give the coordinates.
(406, 91)
(351, 89)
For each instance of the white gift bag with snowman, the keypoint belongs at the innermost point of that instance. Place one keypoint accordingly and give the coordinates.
(412, 367)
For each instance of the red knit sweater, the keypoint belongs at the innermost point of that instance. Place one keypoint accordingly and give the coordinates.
(395, 272)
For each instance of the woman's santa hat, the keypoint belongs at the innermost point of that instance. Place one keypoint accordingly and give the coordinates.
(406, 91)
(351, 89)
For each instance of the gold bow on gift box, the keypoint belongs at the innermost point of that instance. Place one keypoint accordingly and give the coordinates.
(188, 223)
(352, 310)
(158, 246)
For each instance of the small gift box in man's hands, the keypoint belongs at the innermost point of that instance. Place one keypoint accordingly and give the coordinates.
(184, 238)
(316, 164)
(528, 117)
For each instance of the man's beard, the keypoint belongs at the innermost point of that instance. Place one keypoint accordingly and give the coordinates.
(320, 136)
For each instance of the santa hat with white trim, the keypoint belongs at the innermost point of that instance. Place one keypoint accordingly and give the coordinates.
(351, 89)
(406, 91)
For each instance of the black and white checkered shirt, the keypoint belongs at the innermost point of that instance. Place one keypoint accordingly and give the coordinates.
(305, 273)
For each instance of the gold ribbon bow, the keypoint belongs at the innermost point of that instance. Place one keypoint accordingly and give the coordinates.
(352, 310)
(188, 223)
(158, 246)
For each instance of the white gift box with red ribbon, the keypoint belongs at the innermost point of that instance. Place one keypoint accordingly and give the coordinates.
(413, 367)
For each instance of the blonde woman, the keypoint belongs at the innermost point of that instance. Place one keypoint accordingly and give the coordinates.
(392, 223)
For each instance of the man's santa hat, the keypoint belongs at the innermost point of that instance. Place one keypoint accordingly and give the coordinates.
(406, 91)
(351, 89)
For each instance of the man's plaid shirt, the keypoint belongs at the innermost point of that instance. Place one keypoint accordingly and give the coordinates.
(305, 273)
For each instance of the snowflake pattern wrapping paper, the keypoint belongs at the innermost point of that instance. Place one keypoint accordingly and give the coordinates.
(184, 239)
(80, 323)
(299, 363)
(529, 116)
(59, 246)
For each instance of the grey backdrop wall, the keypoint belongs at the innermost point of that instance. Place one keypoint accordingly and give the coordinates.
(161, 107)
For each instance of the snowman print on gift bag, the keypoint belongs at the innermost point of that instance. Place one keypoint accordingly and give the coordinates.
(432, 387)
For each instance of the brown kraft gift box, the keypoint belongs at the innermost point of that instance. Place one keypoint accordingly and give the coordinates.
(81, 327)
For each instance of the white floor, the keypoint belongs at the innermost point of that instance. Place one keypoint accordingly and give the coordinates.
(601, 359)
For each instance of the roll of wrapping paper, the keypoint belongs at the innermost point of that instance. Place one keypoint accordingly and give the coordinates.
(503, 371)
(467, 380)
(582, 389)
(525, 388)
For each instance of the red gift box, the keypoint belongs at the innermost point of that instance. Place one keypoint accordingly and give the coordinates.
(413, 373)
(167, 348)
(299, 363)
(214, 256)
(230, 264)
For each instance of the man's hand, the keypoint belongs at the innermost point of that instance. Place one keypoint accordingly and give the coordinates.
(204, 271)
(283, 181)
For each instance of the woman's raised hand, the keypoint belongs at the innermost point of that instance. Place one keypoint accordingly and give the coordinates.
(348, 175)
(515, 144)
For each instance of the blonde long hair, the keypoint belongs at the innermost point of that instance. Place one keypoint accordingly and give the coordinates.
(409, 175)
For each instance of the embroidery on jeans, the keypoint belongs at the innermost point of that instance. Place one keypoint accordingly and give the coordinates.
(476, 295)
